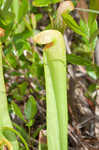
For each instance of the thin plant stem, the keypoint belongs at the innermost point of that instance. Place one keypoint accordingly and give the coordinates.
(88, 10)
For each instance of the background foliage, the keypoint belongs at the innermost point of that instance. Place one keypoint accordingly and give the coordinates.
(23, 62)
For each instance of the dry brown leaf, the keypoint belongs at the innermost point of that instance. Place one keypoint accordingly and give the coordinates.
(82, 4)
(2, 32)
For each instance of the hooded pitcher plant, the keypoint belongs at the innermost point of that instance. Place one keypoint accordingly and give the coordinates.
(7, 138)
(54, 54)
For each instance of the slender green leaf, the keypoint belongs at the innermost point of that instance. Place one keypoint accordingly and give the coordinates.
(23, 9)
(91, 34)
(91, 70)
(1, 2)
(78, 60)
(6, 18)
(42, 3)
(71, 23)
(18, 111)
(15, 7)
(22, 131)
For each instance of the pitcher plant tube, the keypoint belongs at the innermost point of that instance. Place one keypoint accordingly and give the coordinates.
(54, 54)
(7, 138)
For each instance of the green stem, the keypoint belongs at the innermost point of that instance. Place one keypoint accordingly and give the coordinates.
(4, 115)
(19, 135)
(88, 10)
(55, 77)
